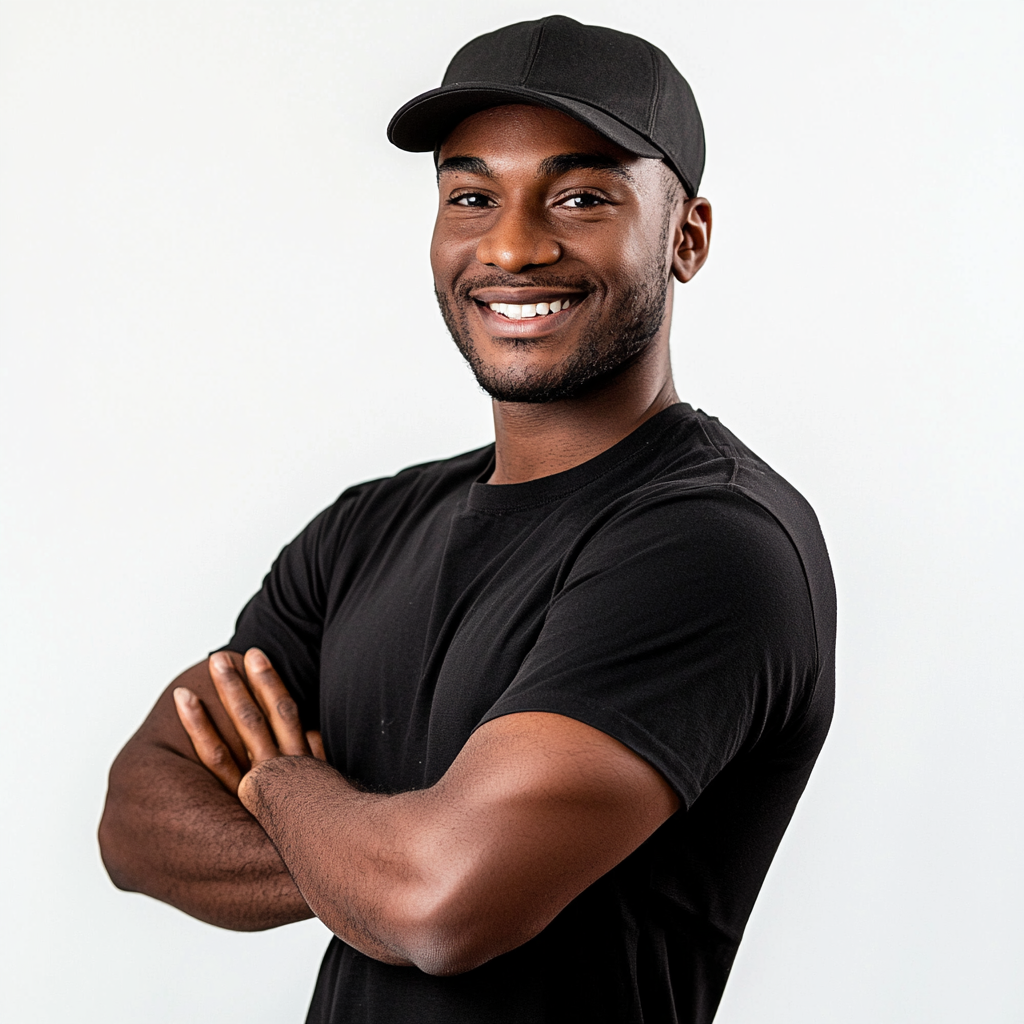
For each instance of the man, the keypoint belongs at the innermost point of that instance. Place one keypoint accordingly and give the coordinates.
(570, 686)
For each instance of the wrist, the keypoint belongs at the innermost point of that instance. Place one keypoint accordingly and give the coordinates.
(257, 786)
(275, 778)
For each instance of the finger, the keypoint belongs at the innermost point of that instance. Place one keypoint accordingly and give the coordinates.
(280, 709)
(209, 746)
(316, 744)
(242, 709)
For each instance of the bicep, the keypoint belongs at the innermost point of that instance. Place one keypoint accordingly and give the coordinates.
(539, 806)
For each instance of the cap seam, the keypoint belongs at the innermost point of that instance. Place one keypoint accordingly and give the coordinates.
(538, 36)
(643, 133)
(656, 98)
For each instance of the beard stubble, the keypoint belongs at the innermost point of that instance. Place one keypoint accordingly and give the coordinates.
(607, 343)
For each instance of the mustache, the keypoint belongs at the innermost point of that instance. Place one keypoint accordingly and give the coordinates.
(537, 280)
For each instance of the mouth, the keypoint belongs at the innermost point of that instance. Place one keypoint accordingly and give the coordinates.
(526, 310)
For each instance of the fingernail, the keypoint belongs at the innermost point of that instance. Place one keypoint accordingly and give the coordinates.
(182, 696)
(220, 661)
(257, 659)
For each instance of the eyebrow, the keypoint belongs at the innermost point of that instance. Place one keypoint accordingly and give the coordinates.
(552, 166)
(565, 162)
(466, 164)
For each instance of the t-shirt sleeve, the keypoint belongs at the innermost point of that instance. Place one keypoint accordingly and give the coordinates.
(684, 629)
(285, 618)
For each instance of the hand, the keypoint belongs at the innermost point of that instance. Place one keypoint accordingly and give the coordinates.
(261, 710)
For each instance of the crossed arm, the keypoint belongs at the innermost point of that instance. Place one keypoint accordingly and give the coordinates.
(237, 820)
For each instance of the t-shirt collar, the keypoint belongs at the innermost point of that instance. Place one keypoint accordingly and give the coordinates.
(498, 498)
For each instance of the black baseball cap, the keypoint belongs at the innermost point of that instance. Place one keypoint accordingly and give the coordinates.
(620, 85)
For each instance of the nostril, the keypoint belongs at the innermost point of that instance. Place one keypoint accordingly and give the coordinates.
(517, 251)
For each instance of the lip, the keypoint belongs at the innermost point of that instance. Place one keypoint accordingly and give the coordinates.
(524, 296)
(533, 327)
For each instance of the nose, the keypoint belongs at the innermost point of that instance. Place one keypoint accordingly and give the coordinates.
(518, 240)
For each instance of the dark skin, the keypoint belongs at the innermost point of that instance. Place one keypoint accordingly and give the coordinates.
(222, 805)
(171, 830)
(599, 224)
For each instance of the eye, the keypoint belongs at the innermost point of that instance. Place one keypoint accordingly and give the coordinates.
(474, 200)
(582, 201)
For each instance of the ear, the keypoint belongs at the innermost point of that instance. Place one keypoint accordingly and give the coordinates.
(692, 238)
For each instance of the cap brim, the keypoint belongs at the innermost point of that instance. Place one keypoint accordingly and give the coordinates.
(425, 121)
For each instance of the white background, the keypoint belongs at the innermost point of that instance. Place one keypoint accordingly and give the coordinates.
(217, 313)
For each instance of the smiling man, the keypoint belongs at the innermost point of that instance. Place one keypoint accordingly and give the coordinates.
(525, 727)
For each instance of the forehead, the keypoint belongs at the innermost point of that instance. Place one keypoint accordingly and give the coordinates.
(515, 133)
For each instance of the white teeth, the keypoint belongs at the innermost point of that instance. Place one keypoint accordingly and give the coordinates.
(528, 310)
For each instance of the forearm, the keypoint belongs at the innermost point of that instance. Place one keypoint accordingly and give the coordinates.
(171, 831)
(341, 848)
(535, 808)
(417, 878)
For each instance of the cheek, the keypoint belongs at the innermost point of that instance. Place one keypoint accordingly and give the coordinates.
(437, 252)
(614, 260)
(450, 254)
(639, 252)
(615, 250)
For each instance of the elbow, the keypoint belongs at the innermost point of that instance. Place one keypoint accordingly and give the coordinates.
(448, 962)
(444, 953)
(118, 839)
(115, 833)
(443, 919)
(416, 930)
(453, 935)
(441, 953)
(112, 852)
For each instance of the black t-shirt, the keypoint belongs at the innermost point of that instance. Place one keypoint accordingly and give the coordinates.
(673, 592)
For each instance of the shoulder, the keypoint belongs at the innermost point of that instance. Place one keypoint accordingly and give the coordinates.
(709, 480)
(712, 517)
(405, 492)
(699, 552)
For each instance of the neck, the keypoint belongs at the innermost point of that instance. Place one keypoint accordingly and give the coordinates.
(532, 441)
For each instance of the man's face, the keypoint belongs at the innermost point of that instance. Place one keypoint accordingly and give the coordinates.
(552, 251)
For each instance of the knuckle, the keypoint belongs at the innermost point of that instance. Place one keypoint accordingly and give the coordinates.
(288, 710)
(220, 757)
(250, 715)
